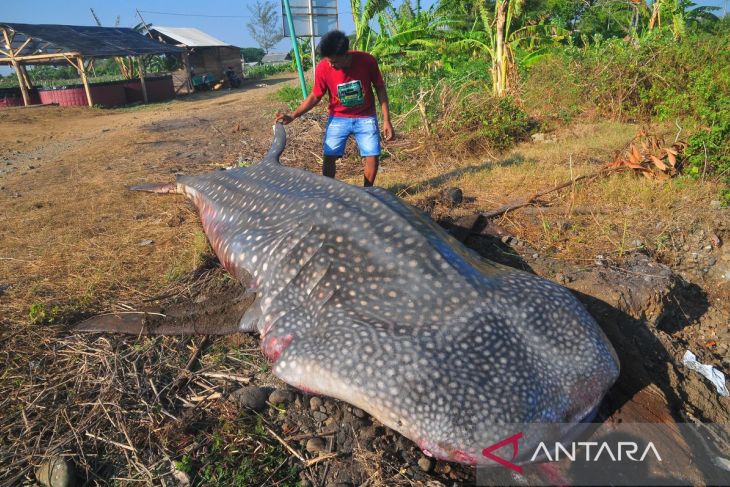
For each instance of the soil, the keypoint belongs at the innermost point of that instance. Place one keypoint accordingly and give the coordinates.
(63, 171)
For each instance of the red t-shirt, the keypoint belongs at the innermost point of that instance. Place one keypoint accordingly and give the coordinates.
(350, 89)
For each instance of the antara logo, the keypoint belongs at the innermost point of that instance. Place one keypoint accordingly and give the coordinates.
(487, 452)
(594, 451)
(623, 450)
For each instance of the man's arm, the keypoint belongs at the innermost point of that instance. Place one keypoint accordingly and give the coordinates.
(388, 132)
(308, 103)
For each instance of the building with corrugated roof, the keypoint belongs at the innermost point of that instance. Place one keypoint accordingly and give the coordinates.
(208, 57)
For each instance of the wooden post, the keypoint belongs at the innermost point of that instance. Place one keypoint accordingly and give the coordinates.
(16, 66)
(82, 72)
(188, 75)
(24, 73)
(141, 78)
(21, 82)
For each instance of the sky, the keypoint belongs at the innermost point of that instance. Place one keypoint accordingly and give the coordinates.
(223, 19)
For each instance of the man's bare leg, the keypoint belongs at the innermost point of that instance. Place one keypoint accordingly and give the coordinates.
(328, 166)
(370, 170)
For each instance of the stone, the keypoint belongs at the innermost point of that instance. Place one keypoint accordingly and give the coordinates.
(250, 397)
(358, 413)
(316, 444)
(715, 204)
(425, 464)
(56, 472)
(452, 196)
(315, 403)
(319, 416)
(281, 396)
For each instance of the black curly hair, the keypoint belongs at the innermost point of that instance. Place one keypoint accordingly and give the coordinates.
(334, 43)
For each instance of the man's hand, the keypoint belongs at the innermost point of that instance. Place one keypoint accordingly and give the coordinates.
(388, 132)
(284, 118)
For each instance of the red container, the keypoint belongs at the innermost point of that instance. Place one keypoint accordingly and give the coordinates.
(12, 97)
(65, 97)
(108, 94)
(159, 88)
(114, 93)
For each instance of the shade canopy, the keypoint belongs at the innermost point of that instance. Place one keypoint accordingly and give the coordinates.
(35, 40)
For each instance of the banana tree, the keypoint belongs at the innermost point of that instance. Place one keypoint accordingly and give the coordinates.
(362, 15)
(680, 12)
(500, 38)
(409, 36)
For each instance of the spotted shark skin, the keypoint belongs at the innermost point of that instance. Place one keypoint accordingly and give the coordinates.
(363, 298)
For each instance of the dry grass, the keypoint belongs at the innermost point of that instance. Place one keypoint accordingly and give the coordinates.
(604, 216)
(70, 246)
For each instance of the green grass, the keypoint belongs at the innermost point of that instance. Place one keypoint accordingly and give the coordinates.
(239, 453)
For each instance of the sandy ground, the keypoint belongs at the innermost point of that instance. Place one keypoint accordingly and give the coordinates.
(75, 242)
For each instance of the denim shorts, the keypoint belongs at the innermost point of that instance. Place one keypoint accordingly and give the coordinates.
(365, 130)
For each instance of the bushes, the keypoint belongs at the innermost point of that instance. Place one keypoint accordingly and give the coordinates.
(455, 103)
(479, 121)
(553, 91)
(264, 70)
(291, 95)
(657, 78)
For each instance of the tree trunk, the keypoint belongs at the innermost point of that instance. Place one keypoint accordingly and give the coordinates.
(499, 63)
(656, 18)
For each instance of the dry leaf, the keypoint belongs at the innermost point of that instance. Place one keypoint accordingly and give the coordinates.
(671, 157)
(658, 163)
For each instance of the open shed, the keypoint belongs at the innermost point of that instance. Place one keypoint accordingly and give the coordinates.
(78, 45)
(207, 55)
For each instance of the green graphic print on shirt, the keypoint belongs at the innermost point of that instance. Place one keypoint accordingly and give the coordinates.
(350, 93)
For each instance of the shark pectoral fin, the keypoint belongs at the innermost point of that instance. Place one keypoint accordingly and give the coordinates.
(163, 188)
(251, 317)
(128, 323)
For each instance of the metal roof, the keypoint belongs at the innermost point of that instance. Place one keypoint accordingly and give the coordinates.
(276, 57)
(89, 41)
(189, 36)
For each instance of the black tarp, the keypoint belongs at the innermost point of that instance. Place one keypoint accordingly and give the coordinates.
(89, 41)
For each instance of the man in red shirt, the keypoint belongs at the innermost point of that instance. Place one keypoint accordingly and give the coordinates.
(348, 77)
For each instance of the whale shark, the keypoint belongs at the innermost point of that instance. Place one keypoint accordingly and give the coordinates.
(361, 297)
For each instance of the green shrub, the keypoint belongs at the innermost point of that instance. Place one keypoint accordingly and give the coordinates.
(483, 121)
(708, 151)
(291, 95)
(553, 91)
(264, 70)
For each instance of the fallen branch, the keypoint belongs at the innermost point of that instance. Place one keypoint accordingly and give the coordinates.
(286, 445)
(531, 200)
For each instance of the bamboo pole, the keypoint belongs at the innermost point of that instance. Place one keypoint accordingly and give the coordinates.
(26, 78)
(21, 82)
(8, 40)
(141, 78)
(23, 46)
(39, 57)
(16, 67)
(84, 79)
